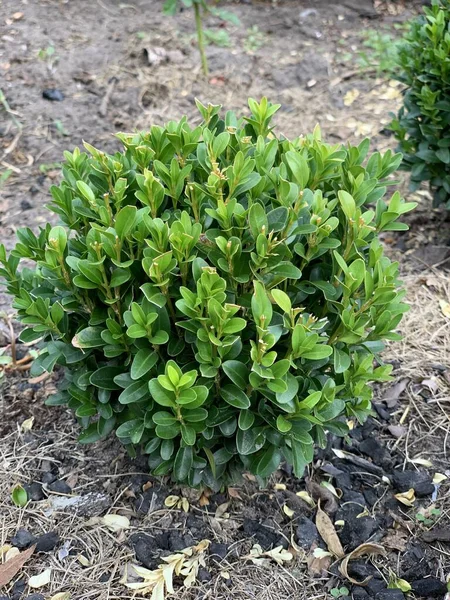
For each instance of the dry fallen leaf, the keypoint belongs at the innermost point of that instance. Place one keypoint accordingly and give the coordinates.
(11, 553)
(234, 493)
(445, 307)
(318, 565)
(288, 511)
(61, 596)
(221, 511)
(279, 487)
(396, 539)
(407, 498)
(10, 569)
(357, 553)
(351, 96)
(439, 478)
(27, 425)
(328, 533)
(38, 581)
(115, 522)
(306, 498)
(422, 461)
(83, 560)
(259, 557)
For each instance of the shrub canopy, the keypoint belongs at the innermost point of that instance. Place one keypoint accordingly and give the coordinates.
(215, 294)
(423, 123)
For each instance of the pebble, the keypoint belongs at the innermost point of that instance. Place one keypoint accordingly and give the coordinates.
(146, 549)
(217, 549)
(265, 536)
(204, 575)
(307, 533)
(46, 542)
(430, 587)
(60, 487)
(48, 477)
(53, 95)
(18, 589)
(23, 539)
(35, 597)
(356, 530)
(360, 593)
(105, 577)
(34, 491)
(390, 595)
(419, 481)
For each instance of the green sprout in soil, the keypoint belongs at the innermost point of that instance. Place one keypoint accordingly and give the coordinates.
(255, 39)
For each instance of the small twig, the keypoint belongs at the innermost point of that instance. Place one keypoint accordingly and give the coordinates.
(10, 112)
(107, 97)
(13, 341)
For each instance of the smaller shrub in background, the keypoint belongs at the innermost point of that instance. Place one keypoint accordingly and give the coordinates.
(423, 123)
(201, 9)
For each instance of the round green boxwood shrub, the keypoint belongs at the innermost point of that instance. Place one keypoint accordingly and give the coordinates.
(423, 123)
(215, 294)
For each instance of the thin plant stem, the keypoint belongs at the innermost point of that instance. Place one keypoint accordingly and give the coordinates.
(201, 37)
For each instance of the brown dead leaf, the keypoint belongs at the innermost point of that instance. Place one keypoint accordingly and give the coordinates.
(396, 539)
(10, 569)
(431, 384)
(234, 493)
(221, 510)
(324, 495)
(328, 533)
(318, 565)
(392, 395)
(203, 500)
(397, 430)
(357, 552)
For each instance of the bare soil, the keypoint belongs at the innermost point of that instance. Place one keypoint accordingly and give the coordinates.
(103, 63)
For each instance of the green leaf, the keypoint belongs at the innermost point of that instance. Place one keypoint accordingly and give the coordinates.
(58, 239)
(160, 395)
(235, 396)
(165, 418)
(143, 362)
(347, 203)
(183, 463)
(342, 361)
(261, 306)
(246, 419)
(258, 220)
(282, 299)
(104, 378)
(125, 221)
(132, 429)
(188, 434)
(19, 496)
(283, 424)
(269, 461)
(90, 337)
(237, 372)
(135, 392)
(318, 352)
